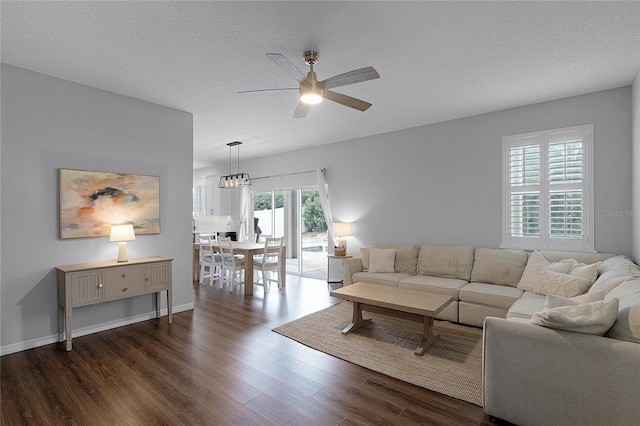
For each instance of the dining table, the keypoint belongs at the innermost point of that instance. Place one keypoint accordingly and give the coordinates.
(248, 250)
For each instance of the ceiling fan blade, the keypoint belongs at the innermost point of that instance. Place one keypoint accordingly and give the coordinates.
(351, 77)
(301, 110)
(346, 100)
(287, 65)
(262, 91)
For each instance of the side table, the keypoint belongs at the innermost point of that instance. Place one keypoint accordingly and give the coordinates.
(333, 256)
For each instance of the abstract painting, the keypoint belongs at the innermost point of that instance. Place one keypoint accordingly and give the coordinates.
(90, 202)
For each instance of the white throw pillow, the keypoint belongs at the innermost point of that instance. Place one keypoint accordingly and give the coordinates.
(536, 264)
(590, 318)
(587, 271)
(554, 301)
(565, 285)
(382, 260)
(364, 252)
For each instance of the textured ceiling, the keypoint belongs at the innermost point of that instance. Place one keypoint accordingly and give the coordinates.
(437, 60)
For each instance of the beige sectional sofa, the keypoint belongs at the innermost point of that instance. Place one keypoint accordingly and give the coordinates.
(532, 375)
(483, 282)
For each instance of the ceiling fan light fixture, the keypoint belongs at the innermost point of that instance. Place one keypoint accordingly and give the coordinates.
(311, 97)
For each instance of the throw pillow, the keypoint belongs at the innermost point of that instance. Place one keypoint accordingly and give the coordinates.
(536, 264)
(549, 282)
(382, 260)
(364, 259)
(554, 301)
(590, 318)
(587, 271)
(406, 256)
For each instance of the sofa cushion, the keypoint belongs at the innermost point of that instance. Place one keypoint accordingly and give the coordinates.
(536, 264)
(615, 273)
(613, 262)
(382, 260)
(497, 266)
(627, 325)
(583, 257)
(532, 295)
(448, 286)
(406, 256)
(474, 314)
(379, 278)
(591, 318)
(446, 261)
(490, 295)
(526, 306)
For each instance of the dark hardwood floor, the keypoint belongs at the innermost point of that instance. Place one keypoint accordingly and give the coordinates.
(219, 364)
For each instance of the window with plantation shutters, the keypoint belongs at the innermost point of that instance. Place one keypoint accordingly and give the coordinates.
(547, 190)
(198, 199)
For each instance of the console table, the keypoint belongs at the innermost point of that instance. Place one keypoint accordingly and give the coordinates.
(97, 282)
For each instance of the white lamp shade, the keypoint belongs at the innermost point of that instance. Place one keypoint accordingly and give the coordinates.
(342, 229)
(122, 233)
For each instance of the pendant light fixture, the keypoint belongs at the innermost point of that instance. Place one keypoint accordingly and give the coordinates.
(238, 179)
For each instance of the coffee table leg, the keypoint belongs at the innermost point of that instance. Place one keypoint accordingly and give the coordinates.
(357, 321)
(427, 336)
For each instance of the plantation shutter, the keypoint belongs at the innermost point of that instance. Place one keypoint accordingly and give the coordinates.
(546, 188)
(198, 192)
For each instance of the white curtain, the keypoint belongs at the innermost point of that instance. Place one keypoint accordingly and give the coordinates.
(326, 210)
(245, 205)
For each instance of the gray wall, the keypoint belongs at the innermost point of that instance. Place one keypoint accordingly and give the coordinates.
(49, 123)
(442, 183)
(636, 167)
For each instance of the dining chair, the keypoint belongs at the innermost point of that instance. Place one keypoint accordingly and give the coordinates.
(263, 237)
(256, 238)
(232, 264)
(210, 258)
(269, 262)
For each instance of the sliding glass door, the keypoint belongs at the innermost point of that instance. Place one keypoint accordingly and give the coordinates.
(313, 235)
(297, 215)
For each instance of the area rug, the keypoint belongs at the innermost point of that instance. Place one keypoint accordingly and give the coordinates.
(451, 366)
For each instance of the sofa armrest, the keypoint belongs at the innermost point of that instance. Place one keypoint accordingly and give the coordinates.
(351, 266)
(533, 375)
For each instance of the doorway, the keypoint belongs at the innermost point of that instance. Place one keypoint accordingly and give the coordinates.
(297, 215)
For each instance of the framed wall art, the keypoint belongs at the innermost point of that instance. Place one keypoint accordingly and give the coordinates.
(90, 202)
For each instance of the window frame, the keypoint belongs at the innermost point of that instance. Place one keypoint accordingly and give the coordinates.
(545, 188)
(199, 198)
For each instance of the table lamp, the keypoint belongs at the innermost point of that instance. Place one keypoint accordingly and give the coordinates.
(122, 234)
(341, 230)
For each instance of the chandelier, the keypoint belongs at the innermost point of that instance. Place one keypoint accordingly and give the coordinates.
(238, 179)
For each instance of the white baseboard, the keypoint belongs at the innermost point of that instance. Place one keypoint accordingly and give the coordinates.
(47, 340)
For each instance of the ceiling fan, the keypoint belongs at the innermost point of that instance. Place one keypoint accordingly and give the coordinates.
(313, 91)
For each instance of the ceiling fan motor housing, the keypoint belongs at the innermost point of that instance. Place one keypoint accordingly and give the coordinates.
(310, 57)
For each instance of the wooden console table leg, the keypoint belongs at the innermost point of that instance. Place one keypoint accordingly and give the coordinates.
(357, 321)
(169, 305)
(67, 326)
(428, 337)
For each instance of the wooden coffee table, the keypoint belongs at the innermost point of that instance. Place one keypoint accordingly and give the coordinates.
(413, 305)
